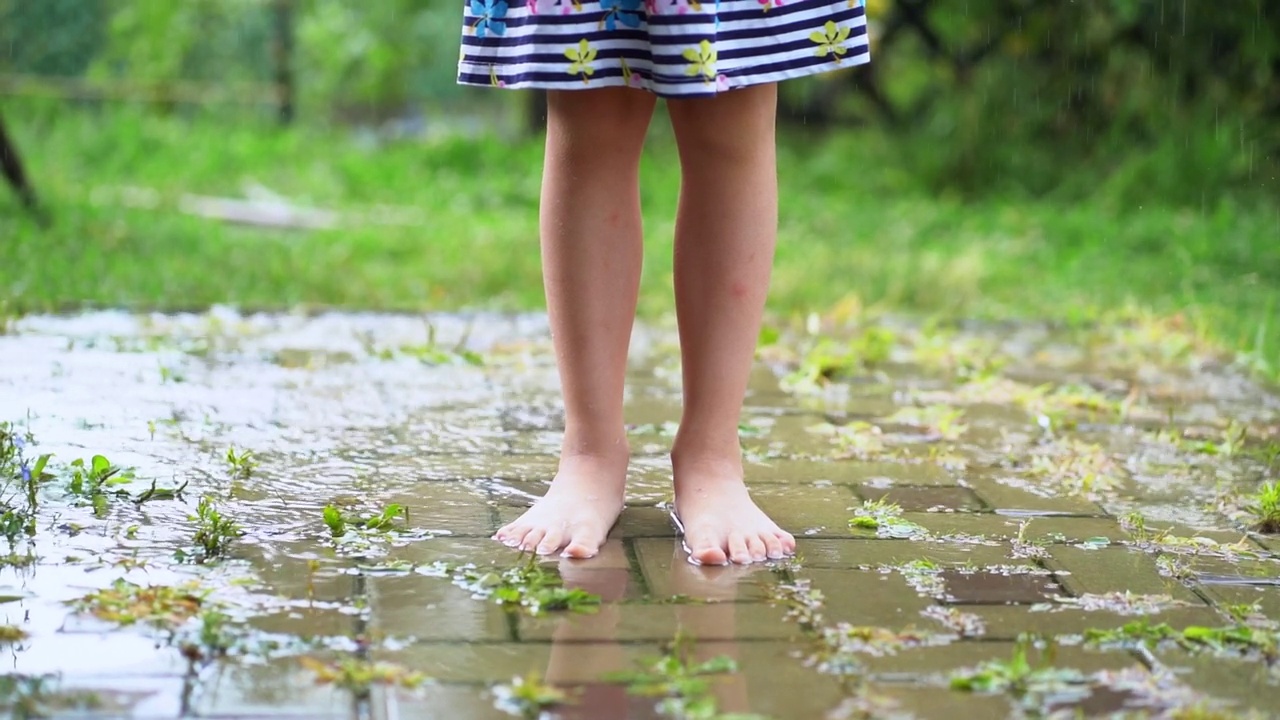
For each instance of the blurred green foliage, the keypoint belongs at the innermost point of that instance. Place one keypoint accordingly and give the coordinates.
(984, 96)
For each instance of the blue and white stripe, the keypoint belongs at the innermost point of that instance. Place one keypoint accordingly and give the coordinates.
(674, 48)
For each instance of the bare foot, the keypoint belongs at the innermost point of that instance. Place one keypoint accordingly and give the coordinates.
(577, 512)
(720, 522)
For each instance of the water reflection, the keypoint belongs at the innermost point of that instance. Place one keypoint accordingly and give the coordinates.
(705, 612)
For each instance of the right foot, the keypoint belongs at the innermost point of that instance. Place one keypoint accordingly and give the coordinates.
(577, 512)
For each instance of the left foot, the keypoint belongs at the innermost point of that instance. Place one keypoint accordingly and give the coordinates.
(721, 523)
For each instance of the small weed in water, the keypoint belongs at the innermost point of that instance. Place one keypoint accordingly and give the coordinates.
(1237, 639)
(886, 519)
(12, 634)
(359, 676)
(1265, 508)
(126, 603)
(528, 697)
(214, 533)
(941, 422)
(340, 523)
(830, 361)
(1017, 675)
(528, 586)
(683, 684)
(93, 481)
(241, 464)
(216, 637)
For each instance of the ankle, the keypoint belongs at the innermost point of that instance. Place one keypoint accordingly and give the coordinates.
(595, 444)
(690, 448)
(706, 463)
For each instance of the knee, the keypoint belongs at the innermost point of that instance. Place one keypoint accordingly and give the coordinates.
(604, 121)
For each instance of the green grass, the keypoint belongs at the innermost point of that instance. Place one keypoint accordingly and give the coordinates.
(853, 223)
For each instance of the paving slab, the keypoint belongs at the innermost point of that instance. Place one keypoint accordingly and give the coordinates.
(1005, 496)
(267, 689)
(477, 662)
(1111, 570)
(863, 552)
(807, 509)
(867, 598)
(920, 663)
(667, 572)
(938, 703)
(846, 472)
(1008, 622)
(963, 587)
(994, 526)
(1245, 684)
(433, 609)
(924, 498)
(716, 621)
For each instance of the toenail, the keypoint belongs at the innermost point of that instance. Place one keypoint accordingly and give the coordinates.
(510, 542)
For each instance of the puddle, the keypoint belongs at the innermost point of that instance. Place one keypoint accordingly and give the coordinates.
(367, 451)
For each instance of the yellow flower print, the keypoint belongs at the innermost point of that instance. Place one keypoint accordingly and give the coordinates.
(580, 59)
(830, 40)
(702, 61)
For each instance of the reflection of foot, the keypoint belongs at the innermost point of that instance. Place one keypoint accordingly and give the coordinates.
(719, 519)
(577, 512)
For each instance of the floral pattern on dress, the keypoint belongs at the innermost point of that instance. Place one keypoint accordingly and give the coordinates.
(702, 61)
(830, 40)
(580, 59)
(564, 7)
(489, 14)
(626, 12)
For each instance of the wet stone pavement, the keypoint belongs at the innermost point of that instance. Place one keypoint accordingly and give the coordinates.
(993, 521)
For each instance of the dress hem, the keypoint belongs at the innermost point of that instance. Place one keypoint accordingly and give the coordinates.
(469, 75)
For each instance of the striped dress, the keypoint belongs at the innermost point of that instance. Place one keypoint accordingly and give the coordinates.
(673, 48)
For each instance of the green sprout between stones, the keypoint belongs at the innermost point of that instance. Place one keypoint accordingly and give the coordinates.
(829, 361)
(683, 685)
(241, 464)
(1018, 676)
(1236, 639)
(835, 647)
(15, 468)
(340, 523)
(1265, 508)
(359, 676)
(885, 518)
(527, 587)
(528, 697)
(941, 422)
(214, 533)
(94, 479)
(429, 353)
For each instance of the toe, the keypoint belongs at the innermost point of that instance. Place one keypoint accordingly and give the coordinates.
(773, 547)
(551, 542)
(585, 543)
(755, 546)
(704, 548)
(532, 539)
(738, 548)
(511, 535)
(787, 541)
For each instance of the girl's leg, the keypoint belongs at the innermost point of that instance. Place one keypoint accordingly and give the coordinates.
(591, 257)
(725, 235)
